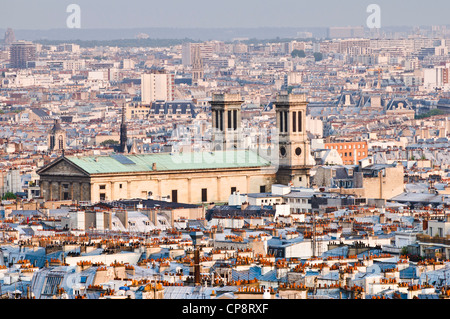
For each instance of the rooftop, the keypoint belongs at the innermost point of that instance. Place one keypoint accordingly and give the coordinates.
(119, 163)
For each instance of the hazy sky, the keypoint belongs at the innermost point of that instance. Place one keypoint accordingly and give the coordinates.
(47, 14)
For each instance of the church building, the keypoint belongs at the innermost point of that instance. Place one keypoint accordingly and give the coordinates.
(190, 177)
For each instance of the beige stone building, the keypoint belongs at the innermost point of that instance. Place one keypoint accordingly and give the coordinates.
(378, 181)
(106, 178)
(189, 177)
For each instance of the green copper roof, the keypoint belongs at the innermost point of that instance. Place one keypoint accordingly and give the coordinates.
(119, 163)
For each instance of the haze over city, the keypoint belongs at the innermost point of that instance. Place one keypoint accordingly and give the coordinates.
(116, 14)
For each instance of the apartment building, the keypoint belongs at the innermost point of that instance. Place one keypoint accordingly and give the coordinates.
(350, 152)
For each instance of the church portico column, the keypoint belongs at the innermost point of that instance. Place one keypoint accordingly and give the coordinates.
(189, 180)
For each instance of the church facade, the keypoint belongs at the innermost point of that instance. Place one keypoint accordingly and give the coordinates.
(196, 177)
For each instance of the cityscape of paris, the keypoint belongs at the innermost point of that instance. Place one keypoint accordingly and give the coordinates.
(224, 158)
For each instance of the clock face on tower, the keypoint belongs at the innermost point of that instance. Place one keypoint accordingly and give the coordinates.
(298, 151)
(282, 151)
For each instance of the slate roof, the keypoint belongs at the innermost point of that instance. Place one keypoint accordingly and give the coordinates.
(185, 107)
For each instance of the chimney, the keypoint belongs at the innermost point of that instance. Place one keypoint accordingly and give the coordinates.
(244, 205)
(154, 167)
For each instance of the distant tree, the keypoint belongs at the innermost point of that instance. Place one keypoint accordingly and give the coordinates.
(109, 142)
(298, 53)
(9, 195)
(430, 113)
(405, 251)
(318, 56)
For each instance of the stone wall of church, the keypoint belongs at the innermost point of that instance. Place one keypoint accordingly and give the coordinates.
(188, 186)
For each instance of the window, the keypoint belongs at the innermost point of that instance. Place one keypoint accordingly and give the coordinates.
(61, 142)
(102, 196)
(51, 285)
(281, 122)
(204, 195)
(294, 121)
(299, 121)
(233, 190)
(174, 196)
(286, 121)
(217, 119)
(262, 188)
(120, 185)
(102, 186)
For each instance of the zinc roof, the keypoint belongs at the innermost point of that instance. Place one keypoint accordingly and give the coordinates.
(167, 161)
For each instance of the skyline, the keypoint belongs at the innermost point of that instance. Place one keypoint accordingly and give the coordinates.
(51, 14)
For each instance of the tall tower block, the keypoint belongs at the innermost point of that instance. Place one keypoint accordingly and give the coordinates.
(294, 147)
(226, 121)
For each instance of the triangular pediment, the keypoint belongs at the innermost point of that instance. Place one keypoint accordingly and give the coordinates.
(62, 167)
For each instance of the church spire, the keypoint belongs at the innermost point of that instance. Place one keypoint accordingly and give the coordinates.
(123, 132)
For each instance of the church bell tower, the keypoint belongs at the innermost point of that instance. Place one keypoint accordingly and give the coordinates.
(226, 121)
(294, 147)
(57, 137)
(123, 133)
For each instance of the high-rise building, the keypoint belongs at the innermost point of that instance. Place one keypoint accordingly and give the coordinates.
(157, 85)
(22, 52)
(9, 36)
(187, 52)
